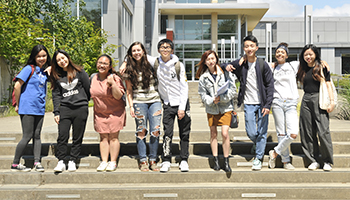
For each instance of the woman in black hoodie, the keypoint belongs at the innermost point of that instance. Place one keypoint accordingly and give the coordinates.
(70, 95)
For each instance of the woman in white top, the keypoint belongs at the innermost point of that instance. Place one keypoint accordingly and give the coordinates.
(284, 105)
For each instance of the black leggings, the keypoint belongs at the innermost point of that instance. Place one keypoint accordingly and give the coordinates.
(31, 128)
(75, 117)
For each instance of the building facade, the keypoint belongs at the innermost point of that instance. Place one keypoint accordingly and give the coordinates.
(330, 34)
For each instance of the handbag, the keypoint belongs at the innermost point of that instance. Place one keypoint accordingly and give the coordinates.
(324, 99)
(234, 120)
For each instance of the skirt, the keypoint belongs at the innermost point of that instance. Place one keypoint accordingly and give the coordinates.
(220, 119)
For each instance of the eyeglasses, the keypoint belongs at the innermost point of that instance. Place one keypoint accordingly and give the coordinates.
(168, 48)
(103, 63)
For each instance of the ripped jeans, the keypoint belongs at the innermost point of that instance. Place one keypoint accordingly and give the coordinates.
(151, 112)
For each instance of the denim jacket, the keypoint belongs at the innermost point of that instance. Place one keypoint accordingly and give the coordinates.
(207, 89)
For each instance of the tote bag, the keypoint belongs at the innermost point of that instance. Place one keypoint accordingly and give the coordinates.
(324, 99)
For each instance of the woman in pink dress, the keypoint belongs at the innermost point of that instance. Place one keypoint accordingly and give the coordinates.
(107, 92)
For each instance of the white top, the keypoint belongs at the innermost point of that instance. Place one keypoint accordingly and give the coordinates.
(251, 95)
(285, 80)
(171, 90)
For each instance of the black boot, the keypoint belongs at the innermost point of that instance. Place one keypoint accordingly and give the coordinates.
(216, 163)
(227, 167)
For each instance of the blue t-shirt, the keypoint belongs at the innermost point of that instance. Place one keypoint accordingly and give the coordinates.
(33, 92)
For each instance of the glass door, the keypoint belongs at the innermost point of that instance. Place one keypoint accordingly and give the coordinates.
(191, 69)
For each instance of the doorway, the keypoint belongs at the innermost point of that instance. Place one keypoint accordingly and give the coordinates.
(191, 68)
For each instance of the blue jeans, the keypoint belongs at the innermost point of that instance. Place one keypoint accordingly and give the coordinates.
(286, 123)
(144, 112)
(256, 127)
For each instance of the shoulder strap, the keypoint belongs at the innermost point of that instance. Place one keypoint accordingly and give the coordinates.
(177, 69)
(33, 69)
(92, 76)
(156, 65)
(261, 64)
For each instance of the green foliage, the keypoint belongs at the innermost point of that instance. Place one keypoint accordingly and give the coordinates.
(79, 37)
(21, 28)
(345, 107)
(18, 35)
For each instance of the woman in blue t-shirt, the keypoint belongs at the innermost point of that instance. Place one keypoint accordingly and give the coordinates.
(30, 93)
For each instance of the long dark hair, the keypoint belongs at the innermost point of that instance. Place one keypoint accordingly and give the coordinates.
(202, 66)
(133, 68)
(316, 72)
(57, 71)
(36, 49)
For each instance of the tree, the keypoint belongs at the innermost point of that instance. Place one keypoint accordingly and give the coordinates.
(18, 35)
(21, 26)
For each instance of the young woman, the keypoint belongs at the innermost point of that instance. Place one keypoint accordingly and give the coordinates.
(284, 105)
(30, 93)
(314, 120)
(144, 102)
(107, 90)
(218, 107)
(70, 95)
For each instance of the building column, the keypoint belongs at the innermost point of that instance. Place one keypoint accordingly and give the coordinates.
(214, 32)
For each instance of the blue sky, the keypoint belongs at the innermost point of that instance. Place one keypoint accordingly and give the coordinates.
(295, 8)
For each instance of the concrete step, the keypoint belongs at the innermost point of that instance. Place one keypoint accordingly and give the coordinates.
(196, 162)
(195, 148)
(177, 191)
(195, 136)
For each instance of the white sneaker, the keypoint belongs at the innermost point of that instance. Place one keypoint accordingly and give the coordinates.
(71, 166)
(327, 167)
(102, 167)
(256, 164)
(111, 166)
(60, 166)
(184, 166)
(314, 166)
(165, 166)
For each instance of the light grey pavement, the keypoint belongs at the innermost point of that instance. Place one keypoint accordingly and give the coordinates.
(198, 115)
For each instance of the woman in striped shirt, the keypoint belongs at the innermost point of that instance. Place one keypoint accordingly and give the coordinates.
(144, 102)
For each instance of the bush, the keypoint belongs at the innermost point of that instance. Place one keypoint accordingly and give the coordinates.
(345, 106)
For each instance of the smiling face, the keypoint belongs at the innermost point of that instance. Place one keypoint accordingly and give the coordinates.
(62, 61)
(211, 62)
(137, 52)
(103, 65)
(41, 58)
(250, 48)
(165, 51)
(310, 57)
(281, 56)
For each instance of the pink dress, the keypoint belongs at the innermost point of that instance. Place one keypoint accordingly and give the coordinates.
(109, 113)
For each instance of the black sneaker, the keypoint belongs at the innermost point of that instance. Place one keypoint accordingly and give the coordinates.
(39, 168)
(20, 168)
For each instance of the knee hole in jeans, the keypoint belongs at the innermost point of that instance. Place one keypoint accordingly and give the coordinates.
(157, 113)
(155, 133)
(142, 134)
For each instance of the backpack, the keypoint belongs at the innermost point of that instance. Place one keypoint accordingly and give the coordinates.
(14, 103)
(177, 68)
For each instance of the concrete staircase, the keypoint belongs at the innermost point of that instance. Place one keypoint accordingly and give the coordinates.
(201, 182)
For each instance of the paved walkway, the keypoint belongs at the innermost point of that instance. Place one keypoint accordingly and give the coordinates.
(198, 115)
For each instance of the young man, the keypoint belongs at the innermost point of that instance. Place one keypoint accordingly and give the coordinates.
(173, 90)
(256, 92)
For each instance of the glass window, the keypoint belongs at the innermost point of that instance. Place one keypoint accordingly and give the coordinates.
(227, 26)
(345, 60)
(163, 23)
(92, 11)
(192, 27)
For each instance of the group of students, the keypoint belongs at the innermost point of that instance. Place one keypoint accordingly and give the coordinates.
(153, 82)
(264, 87)
(146, 90)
